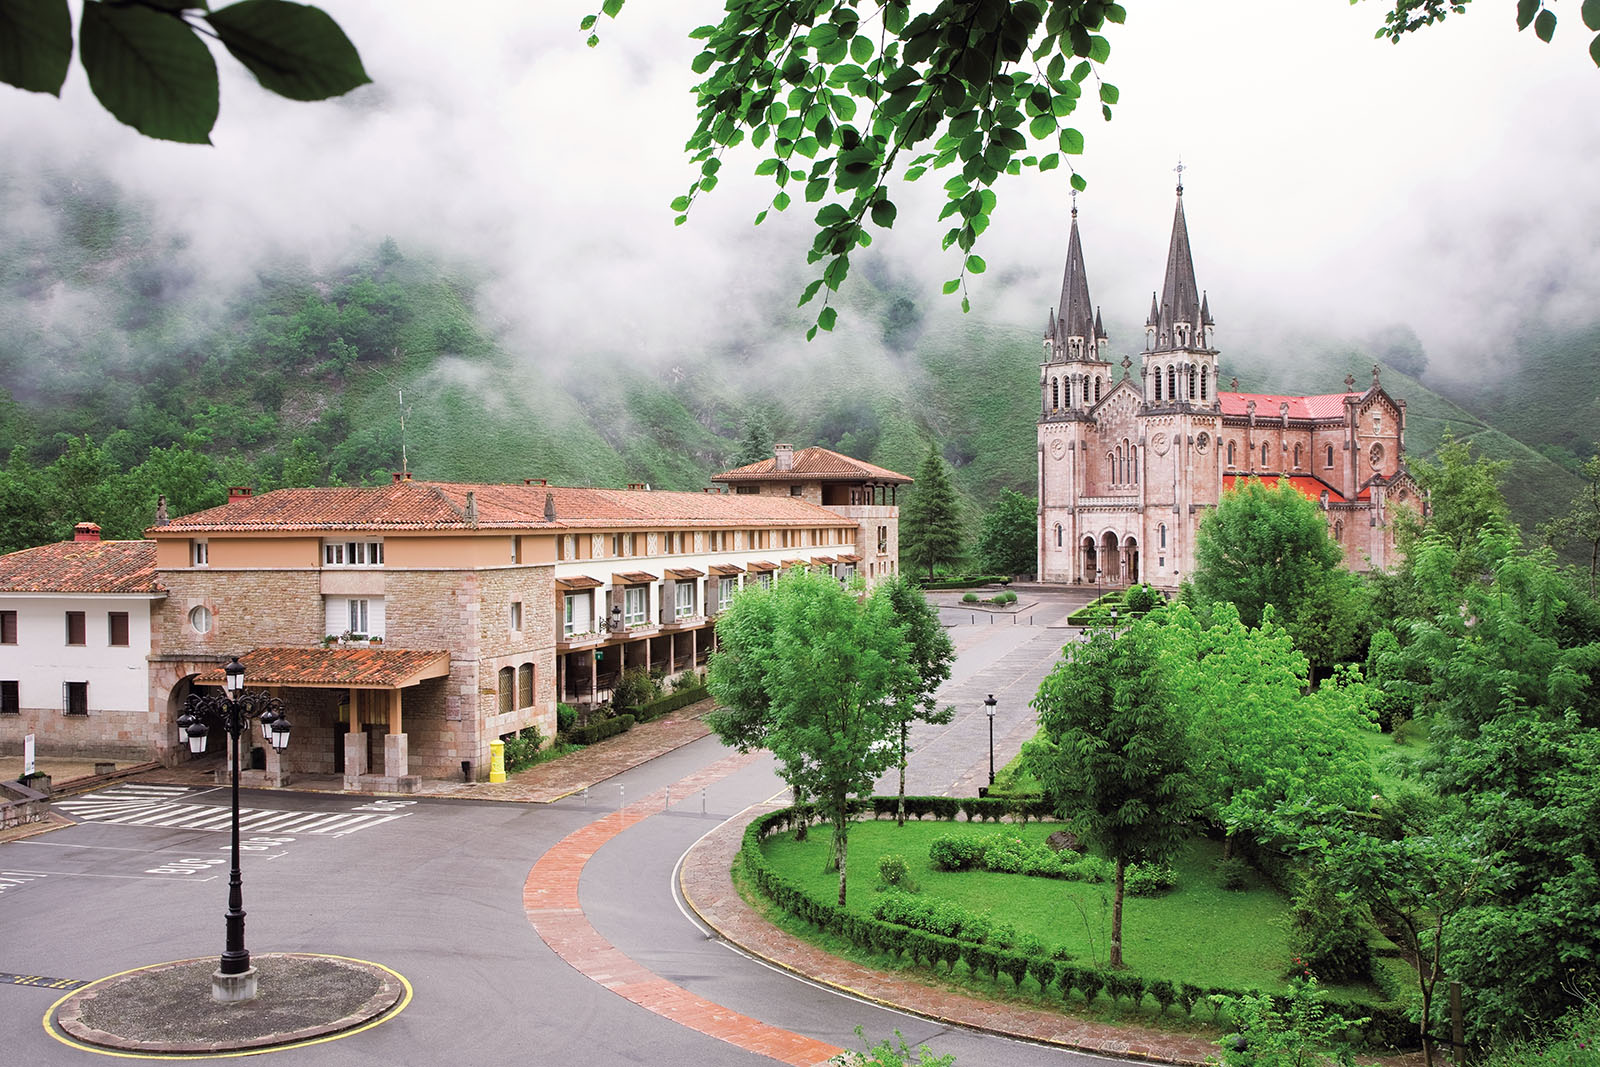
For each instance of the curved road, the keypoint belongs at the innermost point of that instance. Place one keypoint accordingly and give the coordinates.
(436, 892)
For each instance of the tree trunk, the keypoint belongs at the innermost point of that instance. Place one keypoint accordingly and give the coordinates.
(1116, 917)
(900, 805)
(841, 831)
(1227, 846)
(1427, 1013)
(802, 828)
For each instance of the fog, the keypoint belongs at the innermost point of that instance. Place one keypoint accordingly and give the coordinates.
(1334, 183)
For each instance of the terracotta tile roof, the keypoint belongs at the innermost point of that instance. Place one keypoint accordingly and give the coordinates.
(578, 581)
(683, 574)
(82, 567)
(413, 505)
(334, 667)
(1324, 406)
(633, 578)
(760, 567)
(814, 462)
(851, 558)
(1309, 486)
(826, 560)
(726, 569)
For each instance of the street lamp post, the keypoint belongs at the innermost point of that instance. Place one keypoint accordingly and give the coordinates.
(988, 706)
(234, 979)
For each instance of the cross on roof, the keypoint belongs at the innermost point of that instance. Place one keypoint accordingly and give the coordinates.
(1180, 168)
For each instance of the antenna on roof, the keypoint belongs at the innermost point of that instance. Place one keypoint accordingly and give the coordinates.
(400, 393)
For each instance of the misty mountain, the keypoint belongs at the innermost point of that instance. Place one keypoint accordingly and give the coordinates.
(127, 371)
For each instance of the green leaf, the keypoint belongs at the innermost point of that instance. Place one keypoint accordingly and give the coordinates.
(1050, 162)
(587, 23)
(810, 291)
(883, 213)
(822, 34)
(976, 265)
(761, 216)
(681, 204)
(1591, 14)
(811, 334)
(1545, 25)
(952, 285)
(702, 62)
(966, 305)
(151, 71)
(612, 8)
(827, 317)
(35, 44)
(861, 49)
(1109, 93)
(780, 202)
(1079, 182)
(1594, 50)
(1081, 71)
(1526, 9)
(816, 189)
(593, 41)
(293, 50)
(1099, 49)
(1043, 126)
(1071, 142)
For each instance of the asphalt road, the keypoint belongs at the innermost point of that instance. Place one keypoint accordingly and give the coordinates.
(433, 889)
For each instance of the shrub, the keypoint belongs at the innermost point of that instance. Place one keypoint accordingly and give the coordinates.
(522, 749)
(1163, 993)
(600, 729)
(687, 680)
(1090, 869)
(635, 687)
(1141, 598)
(566, 715)
(1189, 995)
(1327, 933)
(1089, 983)
(893, 871)
(969, 598)
(1233, 873)
(955, 852)
(1148, 879)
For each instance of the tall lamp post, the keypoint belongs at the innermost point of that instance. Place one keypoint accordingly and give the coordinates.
(234, 979)
(988, 706)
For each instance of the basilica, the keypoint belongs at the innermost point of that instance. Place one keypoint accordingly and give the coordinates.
(1132, 454)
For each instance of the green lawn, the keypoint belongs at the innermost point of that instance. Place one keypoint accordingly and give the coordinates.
(1199, 933)
(1392, 760)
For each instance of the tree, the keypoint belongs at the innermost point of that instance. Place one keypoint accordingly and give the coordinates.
(1113, 751)
(1008, 542)
(149, 66)
(931, 653)
(1464, 499)
(841, 99)
(1581, 523)
(930, 524)
(755, 440)
(1260, 740)
(822, 679)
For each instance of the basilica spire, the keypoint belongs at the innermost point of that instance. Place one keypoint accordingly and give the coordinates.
(1180, 296)
(1077, 314)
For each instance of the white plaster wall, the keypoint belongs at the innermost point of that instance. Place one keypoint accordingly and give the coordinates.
(41, 660)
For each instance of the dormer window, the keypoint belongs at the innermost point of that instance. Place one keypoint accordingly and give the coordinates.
(352, 553)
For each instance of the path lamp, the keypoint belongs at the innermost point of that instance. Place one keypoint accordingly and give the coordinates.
(988, 706)
(234, 979)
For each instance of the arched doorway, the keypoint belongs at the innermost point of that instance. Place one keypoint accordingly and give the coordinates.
(1111, 560)
(1090, 563)
(1130, 561)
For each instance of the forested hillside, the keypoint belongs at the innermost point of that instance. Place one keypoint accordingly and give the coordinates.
(125, 375)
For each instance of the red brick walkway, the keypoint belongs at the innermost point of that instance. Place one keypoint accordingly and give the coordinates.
(550, 899)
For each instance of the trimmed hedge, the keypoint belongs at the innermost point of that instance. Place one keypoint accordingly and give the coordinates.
(969, 582)
(600, 729)
(975, 809)
(1386, 1026)
(681, 698)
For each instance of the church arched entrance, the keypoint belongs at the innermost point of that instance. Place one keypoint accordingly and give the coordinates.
(1091, 562)
(1130, 561)
(1110, 560)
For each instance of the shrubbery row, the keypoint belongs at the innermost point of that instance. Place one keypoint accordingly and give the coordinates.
(600, 729)
(1386, 1026)
(974, 809)
(1010, 854)
(681, 698)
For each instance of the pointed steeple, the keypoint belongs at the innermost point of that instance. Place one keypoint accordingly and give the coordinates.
(1155, 310)
(1205, 310)
(1180, 297)
(1077, 314)
(1050, 325)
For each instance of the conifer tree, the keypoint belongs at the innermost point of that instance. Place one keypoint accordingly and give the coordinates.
(755, 440)
(930, 523)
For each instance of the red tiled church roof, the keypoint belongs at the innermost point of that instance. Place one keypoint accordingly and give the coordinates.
(360, 667)
(1268, 405)
(822, 463)
(1309, 486)
(81, 567)
(413, 505)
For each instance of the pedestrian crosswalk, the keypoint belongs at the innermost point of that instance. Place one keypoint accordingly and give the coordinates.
(166, 806)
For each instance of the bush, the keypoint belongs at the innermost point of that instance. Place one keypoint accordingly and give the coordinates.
(1233, 873)
(600, 729)
(1148, 879)
(1326, 931)
(956, 852)
(687, 680)
(969, 598)
(522, 749)
(1091, 869)
(1163, 993)
(566, 715)
(634, 688)
(1141, 598)
(893, 871)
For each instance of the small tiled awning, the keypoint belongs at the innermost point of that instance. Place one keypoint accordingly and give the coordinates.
(761, 567)
(826, 561)
(684, 574)
(633, 578)
(726, 570)
(852, 558)
(579, 581)
(789, 563)
(339, 668)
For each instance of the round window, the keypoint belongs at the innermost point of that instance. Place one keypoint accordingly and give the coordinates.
(1376, 456)
(1202, 443)
(200, 619)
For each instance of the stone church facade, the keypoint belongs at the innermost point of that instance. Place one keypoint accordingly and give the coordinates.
(1132, 453)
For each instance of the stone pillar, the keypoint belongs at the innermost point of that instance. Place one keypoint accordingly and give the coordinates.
(355, 757)
(396, 763)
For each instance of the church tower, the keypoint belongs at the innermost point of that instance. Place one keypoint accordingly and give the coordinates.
(1182, 413)
(1073, 378)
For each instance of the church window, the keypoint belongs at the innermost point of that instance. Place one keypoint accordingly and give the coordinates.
(1264, 454)
(1205, 375)
(1297, 457)
(1193, 381)
(1133, 464)
(1172, 383)
(1162, 532)
(1158, 386)
(1097, 388)
(1055, 393)
(1338, 531)
(1111, 467)
(1230, 453)
(1058, 535)
(1330, 457)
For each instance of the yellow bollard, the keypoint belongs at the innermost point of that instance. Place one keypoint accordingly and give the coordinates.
(497, 761)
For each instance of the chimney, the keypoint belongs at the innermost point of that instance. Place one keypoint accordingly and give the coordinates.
(86, 531)
(638, 486)
(472, 507)
(238, 492)
(401, 476)
(784, 454)
(549, 507)
(161, 510)
(536, 481)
